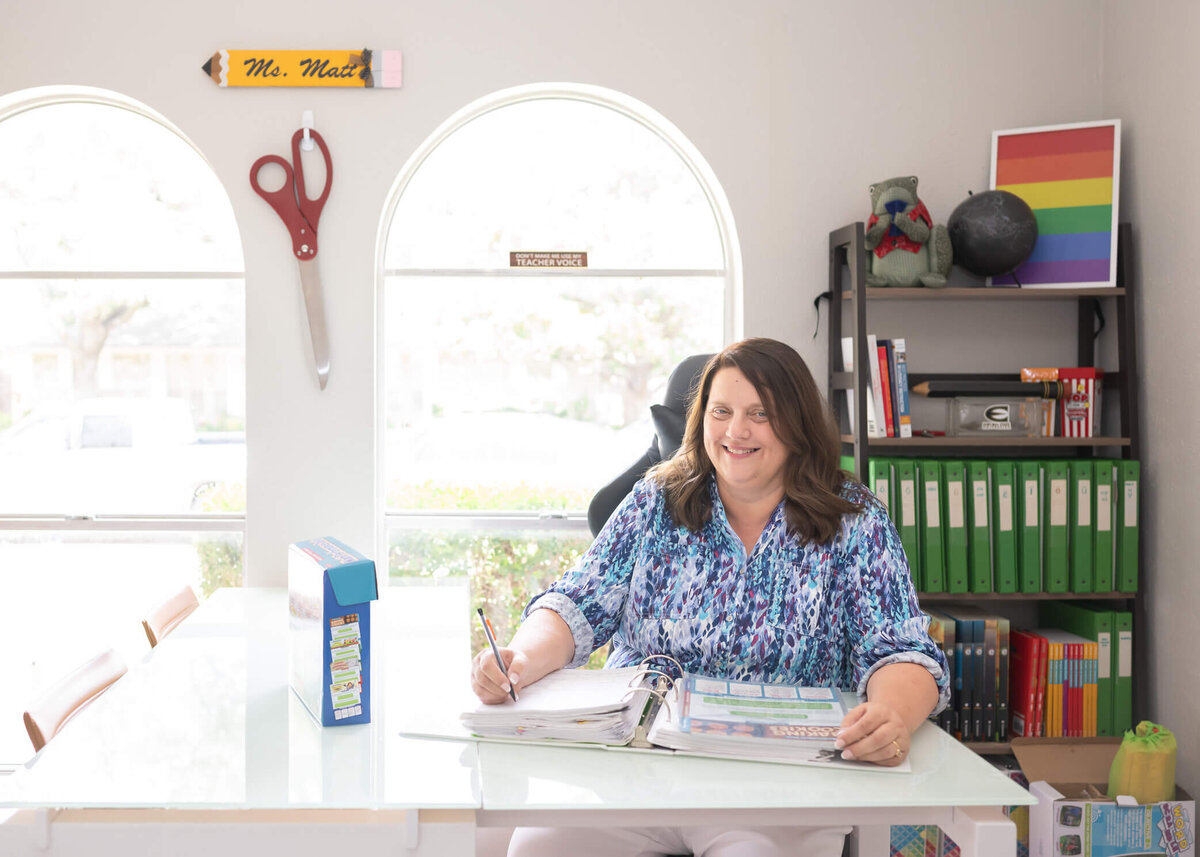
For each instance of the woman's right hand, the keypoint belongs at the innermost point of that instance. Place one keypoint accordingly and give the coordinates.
(488, 682)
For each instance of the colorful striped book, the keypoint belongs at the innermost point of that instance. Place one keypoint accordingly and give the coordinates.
(1068, 174)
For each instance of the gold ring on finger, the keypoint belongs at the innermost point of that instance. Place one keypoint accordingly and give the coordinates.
(898, 752)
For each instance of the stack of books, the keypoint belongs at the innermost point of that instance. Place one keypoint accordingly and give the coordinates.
(888, 412)
(1070, 677)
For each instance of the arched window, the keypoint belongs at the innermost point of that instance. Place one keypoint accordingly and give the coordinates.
(122, 382)
(512, 392)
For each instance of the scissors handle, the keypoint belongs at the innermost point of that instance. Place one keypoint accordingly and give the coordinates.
(311, 208)
(304, 238)
(295, 208)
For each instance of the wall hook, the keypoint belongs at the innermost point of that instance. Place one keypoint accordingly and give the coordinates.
(306, 122)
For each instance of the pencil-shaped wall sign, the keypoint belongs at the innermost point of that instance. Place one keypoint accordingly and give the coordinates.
(1068, 174)
(364, 68)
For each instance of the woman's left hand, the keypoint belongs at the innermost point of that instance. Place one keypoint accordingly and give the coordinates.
(874, 732)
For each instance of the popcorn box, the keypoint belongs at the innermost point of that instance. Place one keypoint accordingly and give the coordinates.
(330, 590)
(1074, 818)
(1081, 400)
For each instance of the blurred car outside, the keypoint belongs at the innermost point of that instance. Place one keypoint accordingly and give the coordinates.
(112, 456)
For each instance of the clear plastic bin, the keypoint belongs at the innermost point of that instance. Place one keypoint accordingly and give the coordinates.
(997, 417)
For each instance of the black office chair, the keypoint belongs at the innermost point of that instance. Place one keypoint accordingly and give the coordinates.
(669, 419)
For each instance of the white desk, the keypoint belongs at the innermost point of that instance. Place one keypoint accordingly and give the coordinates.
(206, 728)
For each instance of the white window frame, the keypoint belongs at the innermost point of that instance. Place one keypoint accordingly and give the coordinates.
(629, 107)
(19, 102)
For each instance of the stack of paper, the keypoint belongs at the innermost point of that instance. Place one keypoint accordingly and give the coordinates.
(595, 706)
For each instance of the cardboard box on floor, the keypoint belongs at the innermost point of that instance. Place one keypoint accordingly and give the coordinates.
(1073, 816)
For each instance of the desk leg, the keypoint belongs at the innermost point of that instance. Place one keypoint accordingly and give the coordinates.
(983, 831)
(412, 829)
(871, 840)
(41, 827)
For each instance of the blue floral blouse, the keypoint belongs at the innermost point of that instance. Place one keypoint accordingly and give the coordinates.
(825, 615)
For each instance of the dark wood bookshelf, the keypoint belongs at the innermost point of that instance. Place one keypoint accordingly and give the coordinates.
(853, 301)
(1002, 748)
(983, 293)
(977, 597)
(948, 442)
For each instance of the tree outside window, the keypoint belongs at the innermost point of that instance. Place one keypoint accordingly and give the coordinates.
(513, 394)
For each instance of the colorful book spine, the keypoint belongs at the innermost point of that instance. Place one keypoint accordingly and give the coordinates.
(1043, 676)
(885, 385)
(848, 365)
(1095, 625)
(900, 400)
(876, 389)
(1003, 666)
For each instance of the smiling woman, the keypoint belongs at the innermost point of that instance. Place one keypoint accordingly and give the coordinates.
(749, 555)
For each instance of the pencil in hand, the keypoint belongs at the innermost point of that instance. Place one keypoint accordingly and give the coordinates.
(491, 638)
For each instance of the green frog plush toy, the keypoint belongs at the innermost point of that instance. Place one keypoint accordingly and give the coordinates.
(906, 249)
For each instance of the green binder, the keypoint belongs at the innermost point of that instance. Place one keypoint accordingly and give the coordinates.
(1055, 514)
(1029, 526)
(933, 569)
(1004, 530)
(1122, 672)
(879, 480)
(979, 542)
(1094, 624)
(954, 518)
(907, 515)
(1082, 564)
(1128, 476)
(1104, 545)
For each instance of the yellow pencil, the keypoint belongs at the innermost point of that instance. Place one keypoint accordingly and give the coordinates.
(364, 68)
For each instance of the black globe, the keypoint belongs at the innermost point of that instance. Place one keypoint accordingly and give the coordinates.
(992, 232)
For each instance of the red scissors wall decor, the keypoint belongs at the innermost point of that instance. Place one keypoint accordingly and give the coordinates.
(300, 215)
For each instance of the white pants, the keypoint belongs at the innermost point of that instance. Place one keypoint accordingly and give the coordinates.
(659, 841)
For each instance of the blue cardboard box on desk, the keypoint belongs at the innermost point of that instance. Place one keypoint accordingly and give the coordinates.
(330, 590)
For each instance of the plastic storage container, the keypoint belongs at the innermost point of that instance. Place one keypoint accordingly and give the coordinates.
(997, 417)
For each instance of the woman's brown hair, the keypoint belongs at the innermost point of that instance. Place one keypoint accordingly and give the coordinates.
(800, 419)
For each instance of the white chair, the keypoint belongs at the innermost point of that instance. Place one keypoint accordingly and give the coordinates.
(74, 692)
(164, 618)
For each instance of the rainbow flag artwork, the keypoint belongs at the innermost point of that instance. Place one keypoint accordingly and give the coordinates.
(1068, 174)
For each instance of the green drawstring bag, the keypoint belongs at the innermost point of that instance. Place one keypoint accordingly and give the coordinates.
(1145, 765)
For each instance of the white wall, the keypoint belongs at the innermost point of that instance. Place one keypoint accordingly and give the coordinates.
(797, 106)
(1146, 81)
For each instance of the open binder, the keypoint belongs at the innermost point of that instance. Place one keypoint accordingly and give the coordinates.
(643, 708)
